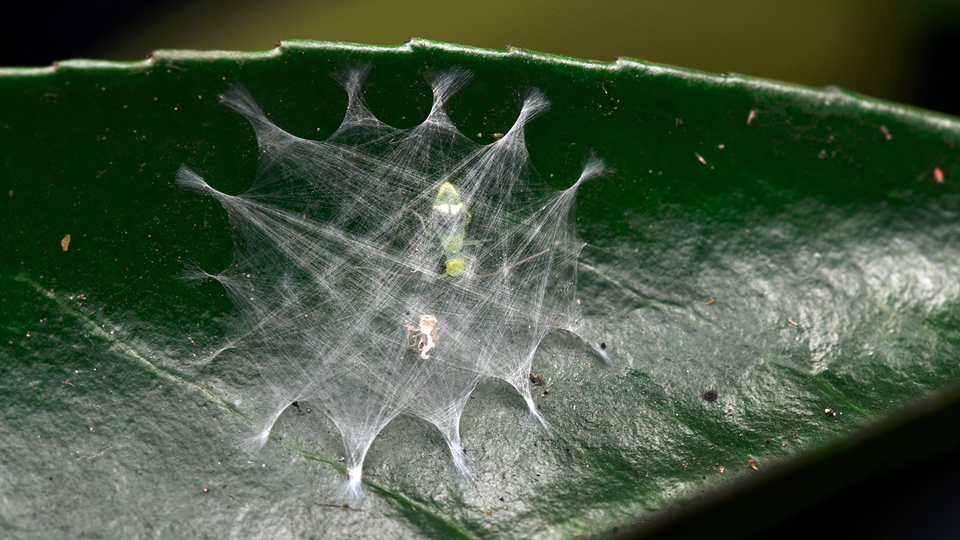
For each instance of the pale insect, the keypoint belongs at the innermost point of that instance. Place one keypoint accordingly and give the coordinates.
(423, 338)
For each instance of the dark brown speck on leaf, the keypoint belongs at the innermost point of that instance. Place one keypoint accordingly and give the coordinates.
(711, 396)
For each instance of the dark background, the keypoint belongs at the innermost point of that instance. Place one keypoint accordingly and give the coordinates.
(918, 502)
(878, 48)
(901, 51)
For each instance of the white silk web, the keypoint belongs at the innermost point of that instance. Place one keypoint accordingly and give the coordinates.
(385, 271)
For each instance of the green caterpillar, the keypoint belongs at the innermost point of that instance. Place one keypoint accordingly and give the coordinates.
(450, 220)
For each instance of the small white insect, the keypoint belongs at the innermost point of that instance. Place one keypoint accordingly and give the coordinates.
(423, 337)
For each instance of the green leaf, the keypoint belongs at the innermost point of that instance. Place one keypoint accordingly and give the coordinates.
(791, 250)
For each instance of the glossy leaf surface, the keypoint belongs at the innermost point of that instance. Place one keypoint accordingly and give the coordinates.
(762, 253)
